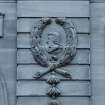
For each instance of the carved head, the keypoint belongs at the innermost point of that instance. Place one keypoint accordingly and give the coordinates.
(54, 43)
(54, 37)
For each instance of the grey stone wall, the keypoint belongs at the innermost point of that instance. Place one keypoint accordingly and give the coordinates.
(17, 66)
(8, 54)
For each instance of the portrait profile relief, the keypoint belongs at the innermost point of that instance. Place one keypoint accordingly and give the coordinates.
(54, 45)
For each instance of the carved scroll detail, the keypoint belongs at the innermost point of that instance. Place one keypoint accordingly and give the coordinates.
(48, 58)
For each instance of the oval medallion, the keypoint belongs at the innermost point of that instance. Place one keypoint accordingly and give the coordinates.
(58, 48)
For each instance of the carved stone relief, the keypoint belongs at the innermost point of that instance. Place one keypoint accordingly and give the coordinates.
(53, 54)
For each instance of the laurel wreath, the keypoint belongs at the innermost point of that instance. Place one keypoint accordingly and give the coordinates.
(39, 53)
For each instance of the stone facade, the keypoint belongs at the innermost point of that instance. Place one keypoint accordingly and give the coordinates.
(18, 67)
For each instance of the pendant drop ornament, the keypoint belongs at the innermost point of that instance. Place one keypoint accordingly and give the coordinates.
(53, 54)
(53, 92)
(53, 80)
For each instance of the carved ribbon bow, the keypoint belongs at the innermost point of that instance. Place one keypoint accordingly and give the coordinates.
(52, 68)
